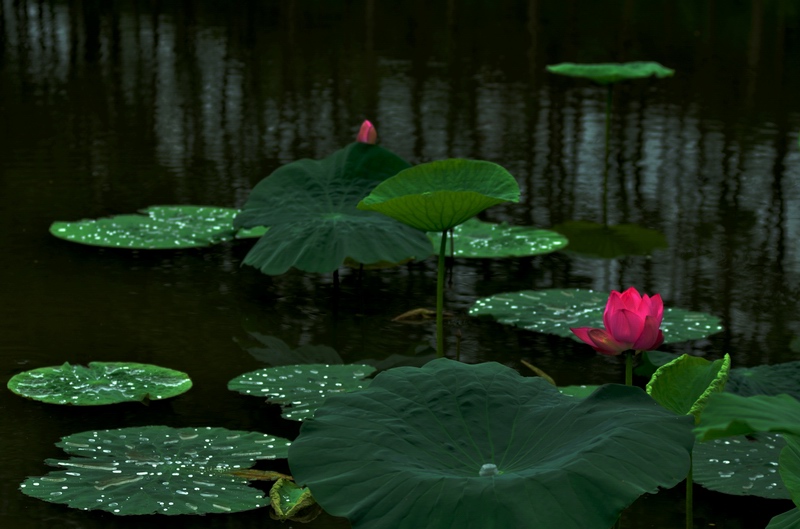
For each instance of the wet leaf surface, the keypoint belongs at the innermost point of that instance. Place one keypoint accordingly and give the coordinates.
(485, 240)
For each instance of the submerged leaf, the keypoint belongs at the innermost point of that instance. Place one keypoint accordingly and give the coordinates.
(478, 239)
(605, 73)
(275, 352)
(610, 242)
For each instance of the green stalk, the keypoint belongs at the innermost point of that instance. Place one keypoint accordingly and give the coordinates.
(628, 368)
(609, 97)
(440, 298)
(689, 507)
(618, 523)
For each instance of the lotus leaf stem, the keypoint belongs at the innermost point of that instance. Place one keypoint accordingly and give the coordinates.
(629, 368)
(689, 506)
(440, 298)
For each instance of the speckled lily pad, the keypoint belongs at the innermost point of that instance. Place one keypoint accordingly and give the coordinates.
(99, 383)
(486, 240)
(301, 389)
(157, 469)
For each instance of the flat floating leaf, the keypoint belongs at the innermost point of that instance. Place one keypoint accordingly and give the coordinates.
(766, 380)
(457, 445)
(100, 383)
(310, 208)
(437, 196)
(301, 389)
(605, 73)
(554, 311)
(685, 384)
(157, 228)
(157, 469)
(609, 242)
(485, 240)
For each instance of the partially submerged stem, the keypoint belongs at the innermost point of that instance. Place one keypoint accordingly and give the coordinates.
(440, 298)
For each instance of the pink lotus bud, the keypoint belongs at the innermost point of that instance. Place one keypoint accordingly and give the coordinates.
(367, 134)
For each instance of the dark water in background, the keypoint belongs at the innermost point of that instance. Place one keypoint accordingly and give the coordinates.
(107, 108)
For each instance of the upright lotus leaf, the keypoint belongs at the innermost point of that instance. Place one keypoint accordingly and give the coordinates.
(290, 502)
(457, 445)
(554, 311)
(99, 383)
(787, 520)
(605, 73)
(440, 195)
(485, 240)
(685, 384)
(766, 380)
(157, 469)
(314, 225)
(157, 228)
(728, 414)
(790, 467)
(610, 242)
(301, 389)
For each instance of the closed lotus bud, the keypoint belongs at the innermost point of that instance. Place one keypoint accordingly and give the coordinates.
(367, 134)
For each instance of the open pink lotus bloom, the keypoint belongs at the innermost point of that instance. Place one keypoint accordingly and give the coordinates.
(631, 321)
(367, 134)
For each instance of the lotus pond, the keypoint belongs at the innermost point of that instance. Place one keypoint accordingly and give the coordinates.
(212, 294)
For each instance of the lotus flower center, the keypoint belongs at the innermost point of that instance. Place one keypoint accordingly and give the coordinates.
(489, 469)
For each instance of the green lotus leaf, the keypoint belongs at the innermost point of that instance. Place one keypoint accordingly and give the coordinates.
(310, 208)
(157, 469)
(728, 414)
(685, 384)
(100, 383)
(766, 380)
(486, 240)
(577, 391)
(605, 73)
(787, 520)
(275, 352)
(742, 466)
(609, 242)
(651, 360)
(790, 467)
(457, 445)
(301, 389)
(554, 311)
(157, 228)
(440, 195)
(290, 502)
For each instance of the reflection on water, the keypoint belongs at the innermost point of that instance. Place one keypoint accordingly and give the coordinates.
(112, 107)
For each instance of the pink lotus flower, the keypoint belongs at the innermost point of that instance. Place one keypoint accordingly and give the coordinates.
(631, 322)
(367, 134)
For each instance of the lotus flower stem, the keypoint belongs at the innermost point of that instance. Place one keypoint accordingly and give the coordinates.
(440, 298)
(689, 506)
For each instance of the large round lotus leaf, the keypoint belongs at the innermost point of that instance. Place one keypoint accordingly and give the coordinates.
(728, 414)
(605, 73)
(99, 383)
(486, 240)
(310, 208)
(157, 228)
(457, 445)
(440, 195)
(766, 380)
(685, 384)
(743, 466)
(274, 352)
(555, 311)
(787, 520)
(157, 469)
(609, 242)
(301, 389)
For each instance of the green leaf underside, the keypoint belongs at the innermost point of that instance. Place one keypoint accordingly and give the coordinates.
(787, 520)
(728, 414)
(301, 389)
(685, 384)
(276, 353)
(440, 195)
(554, 311)
(407, 451)
(605, 73)
(310, 207)
(100, 383)
(609, 242)
(742, 466)
(288, 499)
(485, 240)
(157, 228)
(157, 469)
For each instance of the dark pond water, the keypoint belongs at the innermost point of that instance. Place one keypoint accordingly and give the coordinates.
(107, 108)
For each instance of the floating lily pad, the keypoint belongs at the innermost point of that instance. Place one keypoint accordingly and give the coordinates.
(486, 240)
(301, 389)
(609, 242)
(685, 384)
(290, 502)
(99, 383)
(157, 469)
(766, 380)
(457, 445)
(440, 195)
(605, 73)
(275, 352)
(157, 228)
(310, 208)
(555, 311)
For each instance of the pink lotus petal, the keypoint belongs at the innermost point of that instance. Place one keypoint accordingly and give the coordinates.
(367, 134)
(651, 336)
(605, 344)
(630, 299)
(625, 325)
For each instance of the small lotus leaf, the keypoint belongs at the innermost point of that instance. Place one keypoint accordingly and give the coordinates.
(605, 73)
(685, 384)
(554, 311)
(486, 240)
(301, 389)
(310, 208)
(157, 469)
(440, 195)
(99, 383)
(728, 414)
(787, 520)
(766, 380)
(157, 228)
(457, 445)
(290, 502)
(610, 242)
